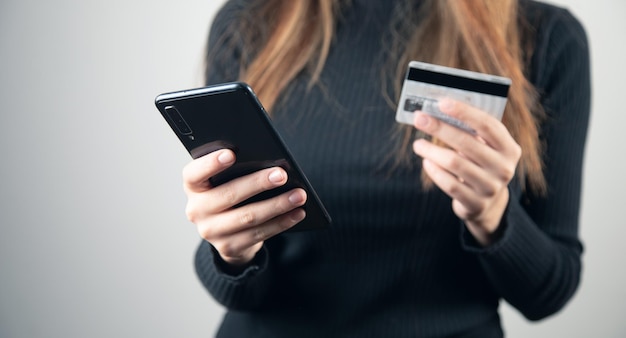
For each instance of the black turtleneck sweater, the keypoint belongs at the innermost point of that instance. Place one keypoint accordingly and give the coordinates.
(397, 262)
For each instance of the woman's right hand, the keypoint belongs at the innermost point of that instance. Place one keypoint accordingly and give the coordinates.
(238, 233)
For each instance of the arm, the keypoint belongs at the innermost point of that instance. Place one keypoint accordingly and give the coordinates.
(231, 261)
(238, 291)
(536, 265)
(527, 245)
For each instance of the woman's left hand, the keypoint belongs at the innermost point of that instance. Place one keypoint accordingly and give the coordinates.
(477, 168)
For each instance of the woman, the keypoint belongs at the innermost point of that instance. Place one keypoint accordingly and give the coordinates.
(420, 246)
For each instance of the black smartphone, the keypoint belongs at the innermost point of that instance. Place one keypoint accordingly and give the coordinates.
(230, 116)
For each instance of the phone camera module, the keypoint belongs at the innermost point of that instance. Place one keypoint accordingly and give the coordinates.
(177, 119)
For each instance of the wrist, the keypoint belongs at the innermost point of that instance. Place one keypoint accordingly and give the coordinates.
(489, 228)
(240, 267)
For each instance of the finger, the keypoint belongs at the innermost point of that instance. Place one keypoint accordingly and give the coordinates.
(500, 163)
(490, 129)
(466, 171)
(253, 214)
(231, 193)
(451, 185)
(237, 244)
(196, 173)
(450, 134)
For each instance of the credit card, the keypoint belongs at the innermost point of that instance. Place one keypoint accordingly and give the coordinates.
(425, 84)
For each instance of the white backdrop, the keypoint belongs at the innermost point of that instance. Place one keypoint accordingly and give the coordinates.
(94, 241)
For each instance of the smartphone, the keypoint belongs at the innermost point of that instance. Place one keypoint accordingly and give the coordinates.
(230, 116)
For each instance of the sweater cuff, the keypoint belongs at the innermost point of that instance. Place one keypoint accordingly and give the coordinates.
(501, 235)
(521, 245)
(469, 243)
(237, 274)
(243, 290)
(517, 232)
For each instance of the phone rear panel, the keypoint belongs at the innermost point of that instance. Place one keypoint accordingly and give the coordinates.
(230, 116)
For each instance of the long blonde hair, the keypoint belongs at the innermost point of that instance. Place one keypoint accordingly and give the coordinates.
(290, 37)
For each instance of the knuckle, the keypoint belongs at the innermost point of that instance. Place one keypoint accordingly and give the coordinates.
(454, 188)
(454, 163)
(247, 218)
(192, 212)
(507, 173)
(258, 235)
(492, 189)
(206, 233)
(473, 209)
(227, 249)
(486, 128)
(227, 195)
(191, 215)
(481, 204)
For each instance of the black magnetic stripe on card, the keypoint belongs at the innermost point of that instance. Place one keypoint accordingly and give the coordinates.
(458, 82)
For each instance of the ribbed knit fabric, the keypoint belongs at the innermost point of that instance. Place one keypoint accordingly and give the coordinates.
(397, 262)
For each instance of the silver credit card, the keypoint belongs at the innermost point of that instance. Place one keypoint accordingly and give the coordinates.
(425, 84)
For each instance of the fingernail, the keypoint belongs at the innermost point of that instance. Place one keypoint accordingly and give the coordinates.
(276, 176)
(226, 157)
(296, 198)
(421, 120)
(445, 104)
(417, 145)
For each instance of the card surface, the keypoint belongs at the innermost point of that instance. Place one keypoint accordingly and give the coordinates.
(425, 84)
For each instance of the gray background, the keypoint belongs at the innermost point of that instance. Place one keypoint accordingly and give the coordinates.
(94, 241)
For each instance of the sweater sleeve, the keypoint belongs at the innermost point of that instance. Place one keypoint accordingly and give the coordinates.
(246, 289)
(536, 265)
